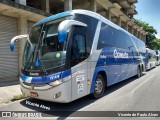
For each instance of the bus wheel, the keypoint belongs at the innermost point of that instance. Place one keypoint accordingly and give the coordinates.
(139, 72)
(99, 87)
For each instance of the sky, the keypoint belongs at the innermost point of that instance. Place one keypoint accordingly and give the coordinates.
(149, 11)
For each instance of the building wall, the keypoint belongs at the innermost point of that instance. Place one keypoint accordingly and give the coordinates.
(14, 21)
(8, 60)
(107, 8)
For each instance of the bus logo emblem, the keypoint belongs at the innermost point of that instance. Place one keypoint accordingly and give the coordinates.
(117, 54)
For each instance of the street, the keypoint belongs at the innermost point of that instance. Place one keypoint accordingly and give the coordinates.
(131, 95)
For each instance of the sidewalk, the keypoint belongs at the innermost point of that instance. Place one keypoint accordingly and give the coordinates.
(8, 90)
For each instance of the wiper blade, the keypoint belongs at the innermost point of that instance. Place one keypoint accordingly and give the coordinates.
(30, 42)
(30, 59)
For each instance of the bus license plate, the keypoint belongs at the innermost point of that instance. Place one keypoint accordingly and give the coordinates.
(33, 94)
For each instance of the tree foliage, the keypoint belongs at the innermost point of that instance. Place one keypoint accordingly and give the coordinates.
(151, 40)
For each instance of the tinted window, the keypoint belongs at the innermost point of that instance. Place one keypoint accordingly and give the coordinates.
(128, 42)
(78, 47)
(140, 45)
(91, 28)
(136, 42)
(152, 55)
(119, 39)
(106, 37)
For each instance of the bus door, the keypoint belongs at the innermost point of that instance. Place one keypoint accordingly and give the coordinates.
(79, 66)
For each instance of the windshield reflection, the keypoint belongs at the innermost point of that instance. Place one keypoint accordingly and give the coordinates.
(45, 47)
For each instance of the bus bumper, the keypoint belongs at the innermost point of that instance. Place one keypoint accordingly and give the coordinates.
(60, 94)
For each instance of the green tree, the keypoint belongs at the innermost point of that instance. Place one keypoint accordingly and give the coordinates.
(156, 44)
(151, 40)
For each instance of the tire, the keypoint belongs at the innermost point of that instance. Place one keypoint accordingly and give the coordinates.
(139, 72)
(99, 87)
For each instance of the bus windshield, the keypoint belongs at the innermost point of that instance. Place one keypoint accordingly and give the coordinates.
(45, 47)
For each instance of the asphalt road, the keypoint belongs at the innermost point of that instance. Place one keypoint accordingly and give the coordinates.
(141, 94)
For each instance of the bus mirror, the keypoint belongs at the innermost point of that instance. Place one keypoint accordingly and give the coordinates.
(64, 26)
(17, 38)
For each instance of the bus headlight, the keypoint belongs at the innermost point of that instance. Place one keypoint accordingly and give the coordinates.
(56, 83)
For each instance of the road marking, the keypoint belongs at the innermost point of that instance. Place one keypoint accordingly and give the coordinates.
(142, 83)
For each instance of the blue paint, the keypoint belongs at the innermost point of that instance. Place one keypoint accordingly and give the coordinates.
(24, 78)
(37, 63)
(66, 73)
(116, 69)
(48, 78)
(62, 35)
(59, 15)
(42, 79)
(12, 46)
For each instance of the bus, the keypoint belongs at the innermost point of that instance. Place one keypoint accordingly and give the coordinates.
(76, 53)
(151, 58)
(140, 46)
(158, 57)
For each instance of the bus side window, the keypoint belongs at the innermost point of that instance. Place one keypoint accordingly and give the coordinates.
(119, 39)
(78, 50)
(106, 38)
(78, 47)
(128, 42)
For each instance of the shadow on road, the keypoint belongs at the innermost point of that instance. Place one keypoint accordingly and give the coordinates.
(66, 109)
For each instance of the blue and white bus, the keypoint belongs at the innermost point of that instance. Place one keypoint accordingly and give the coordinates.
(157, 57)
(75, 53)
(151, 58)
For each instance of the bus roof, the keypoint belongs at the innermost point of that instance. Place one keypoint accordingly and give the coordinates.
(79, 11)
(85, 12)
(66, 13)
(53, 17)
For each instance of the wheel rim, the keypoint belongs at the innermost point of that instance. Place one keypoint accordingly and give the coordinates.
(98, 86)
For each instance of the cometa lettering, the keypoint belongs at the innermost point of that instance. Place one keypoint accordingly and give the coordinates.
(117, 54)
